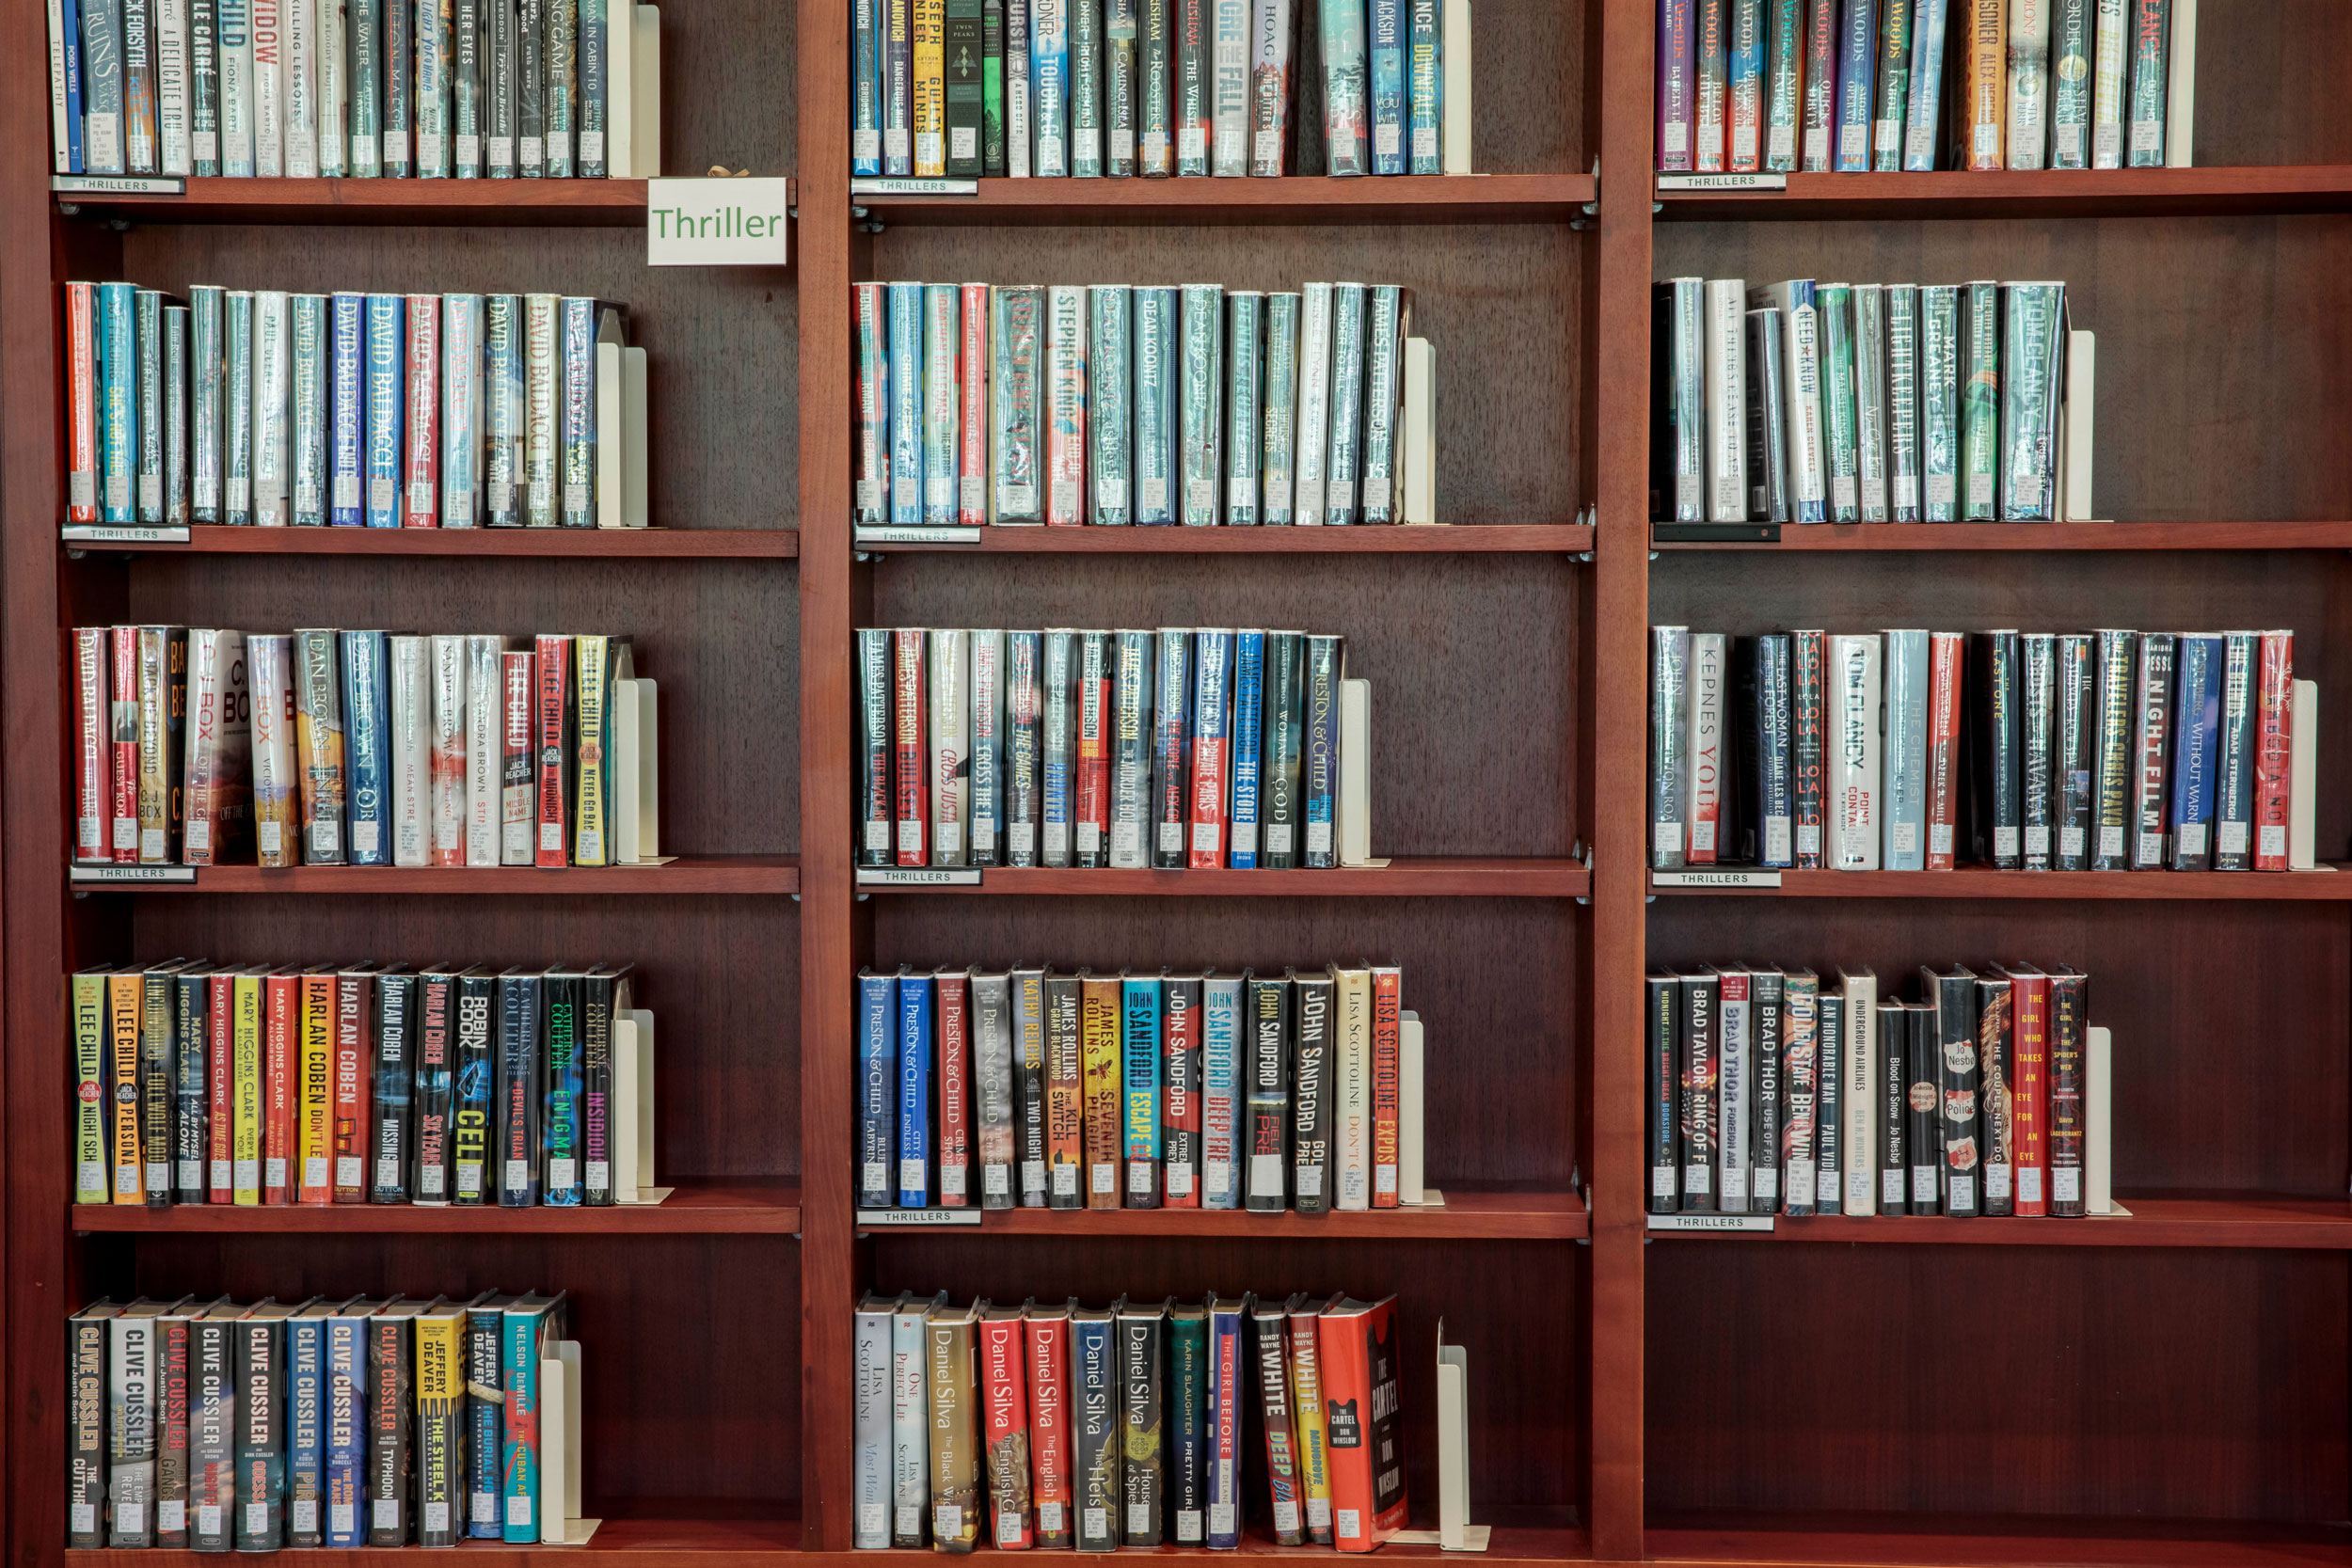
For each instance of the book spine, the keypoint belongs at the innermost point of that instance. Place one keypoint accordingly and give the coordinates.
(952, 1064)
(1840, 430)
(1272, 37)
(1344, 462)
(1870, 400)
(1180, 1075)
(520, 1351)
(1064, 1075)
(502, 423)
(1385, 69)
(2111, 79)
(1200, 354)
(1156, 393)
(2113, 765)
(1994, 1015)
(2150, 48)
(2028, 85)
(2075, 750)
(1940, 403)
(559, 1148)
(2068, 1022)
(1228, 88)
(1277, 464)
(191, 1094)
(2233, 776)
(1925, 97)
(483, 1372)
(1062, 68)
(1959, 1084)
(1140, 1089)
(1282, 1453)
(897, 87)
(1984, 83)
(1893, 83)
(964, 108)
(2033, 729)
(1677, 86)
(1857, 42)
(2028, 1090)
(1221, 1098)
(1103, 1087)
(2274, 716)
(1190, 97)
(1944, 758)
(1902, 401)
(1816, 150)
(1282, 726)
(865, 105)
(2152, 748)
(1067, 390)
(1170, 708)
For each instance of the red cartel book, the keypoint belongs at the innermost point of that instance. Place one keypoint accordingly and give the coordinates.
(281, 1014)
(81, 402)
(1388, 1002)
(2029, 1089)
(421, 448)
(972, 422)
(219, 1091)
(952, 990)
(1048, 1331)
(2274, 749)
(551, 677)
(1943, 754)
(909, 785)
(1360, 1386)
(355, 1079)
(1179, 1093)
(123, 671)
(1005, 1413)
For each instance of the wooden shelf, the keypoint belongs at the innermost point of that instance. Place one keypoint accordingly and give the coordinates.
(781, 543)
(754, 874)
(1467, 1215)
(2313, 1223)
(505, 203)
(2042, 193)
(1512, 1546)
(1402, 879)
(650, 1543)
(1830, 1540)
(1466, 539)
(733, 1206)
(1389, 200)
(1977, 881)
(2045, 536)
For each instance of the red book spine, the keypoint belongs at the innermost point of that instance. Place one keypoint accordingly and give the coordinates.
(1387, 984)
(1210, 754)
(1707, 699)
(219, 1091)
(1049, 1428)
(421, 452)
(123, 671)
(1943, 674)
(93, 756)
(1180, 1099)
(1090, 811)
(518, 769)
(2274, 749)
(972, 426)
(552, 676)
(2030, 1117)
(281, 1010)
(1361, 1374)
(955, 1088)
(81, 369)
(172, 1439)
(1006, 1409)
(353, 1092)
(908, 782)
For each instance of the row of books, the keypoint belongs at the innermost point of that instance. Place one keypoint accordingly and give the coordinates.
(1184, 748)
(1772, 1094)
(1759, 86)
(1138, 1090)
(1837, 403)
(215, 1425)
(203, 1083)
(351, 410)
(211, 747)
(434, 88)
(1117, 88)
(1115, 405)
(1907, 751)
(1095, 1428)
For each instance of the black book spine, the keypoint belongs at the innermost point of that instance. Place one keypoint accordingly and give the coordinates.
(2113, 769)
(476, 1061)
(2077, 731)
(1154, 110)
(2151, 749)
(1695, 1070)
(2233, 774)
(400, 60)
(1830, 1152)
(436, 1087)
(1996, 1129)
(158, 1085)
(598, 991)
(2069, 1018)
(1955, 996)
(1268, 1102)
(203, 89)
(466, 118)
(1143, 1402)
(1031, 1041)
(391, 1383)
(1327, 665)
(1743, 833)
(1808, 726)
(561, 1089)
(1997, 806)
(967, 43)
(1280, 750)
(497, 88)
(86, 1414)
(1774, 717)
(1312, 1097)
(191, 1125)
(1765, 1003)
(2037, 714)
(1665, 1094)
(1062, 1115)
(873, 746)
(1925, 1132)
(1894, 1047)
(261, 1479)
(1180, 1025)
(520, 1085)
(395, 1103)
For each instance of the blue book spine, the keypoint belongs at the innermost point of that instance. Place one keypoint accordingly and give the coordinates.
(1856, 76)
(501, 410)
(942, 406)
(518, 1358)
(1773, 694)
(1049, 85)
(897, 87)
(1139, 1057)
(1248, 694)
(915, 1091)
(346, 401)
(866, 88)
(308, 424)
(1156, 405)
(70, 46)
(1228, 1406)
(367, 705)
(461, 409)
(118, 401)
(2196, 749)
(101, 86)
(906, 403)
(1903, 761)
(877, 1041)
(386, 358)
(1058, 718)
(485, 1331)
(306, 1428)
(577, 475)
(1319, 785)
(1425, 75)
(1389, 152)
(1924, 96)
(346, 1432)
(148, 324)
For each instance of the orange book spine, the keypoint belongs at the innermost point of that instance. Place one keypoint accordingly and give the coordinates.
(1986, 84)
(1387, 1001)
(1098, 1008)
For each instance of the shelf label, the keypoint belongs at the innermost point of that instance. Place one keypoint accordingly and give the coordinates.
(118, 184)
(913, 187)
(910, 1218)
(103, 533)
(1755, 1223)
(86, 875)
(1667, 182)
(865, 536)
(918, 875)
(1734, 876)
(717, 223)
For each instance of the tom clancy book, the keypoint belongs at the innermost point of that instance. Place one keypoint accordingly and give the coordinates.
(1003, 1365)
(1047, 1331)
(995, 1098)
(1267, 1020)
(1313, 1091)
(957, 1491)
(1270, 1324)
(472, 1180)
(1143, 1398)
(1179, 1090)
(1097, 1428)
(1065, 1152)
(1102, 1088)
(1309, 1416)
(1030, 1106)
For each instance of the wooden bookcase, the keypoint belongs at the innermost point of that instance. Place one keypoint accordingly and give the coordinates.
(2171, 1389)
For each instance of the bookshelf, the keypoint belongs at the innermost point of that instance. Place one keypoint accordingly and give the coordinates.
(2173, 1387)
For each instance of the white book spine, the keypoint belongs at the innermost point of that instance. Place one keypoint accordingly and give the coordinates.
(2029, 82)
(269, 678)
(2098, 1121)
(1734, 1086)
(1229, 139)
(2110, 56)
(1853, 759)
(950, 744)
(331, 79)
(451, 751)
(1726, 413)
(1352, 1083)
(1314, 403)
(302, 103)
(269, 87)
(2180, 90)
(461, 408)
(1871, 402)
(1861, 1093)
(483, 759)
(1903, 798)
(910, 1425)
(60, 137)
(1703, 751)
(1455, 137)
(236, 89)
(2303, 780)
(172, 86)
(272, 384)
(871, 1395)
(412, 750)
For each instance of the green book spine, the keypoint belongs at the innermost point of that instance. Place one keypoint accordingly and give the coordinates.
(2071, 35)
(965, 44)
(2030, 350)
(1980, 401)
(1939, 402)
(992, 90)
(1784, 85)
(1840, 435)
(1902, 401)
(2150, 46)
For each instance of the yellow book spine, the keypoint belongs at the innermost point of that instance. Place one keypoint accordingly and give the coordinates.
(1098, 1027)
(1307, 1414)
(930, 88)
(1987, 83)
(316, 1109)
(89, 1089)
(245, 1089)
(591, 789)
(125, 1004)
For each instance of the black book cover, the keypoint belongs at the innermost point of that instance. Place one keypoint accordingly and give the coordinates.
(159, 1042)
(1142, 1407)
(1030, 1025)
(1268, 1020)
(1695, 1073)
(967, 42)
(2076, 726)
(212, 1405)
(561, 1086)
(1953, 994)
(2112, 764)
(993, 163)
(1284, 1480)
(396, 1110)
(2037, 670)
(1923, 1102)
(1829, 1138)
(261, 1438)
(1995, 795)
(477, 1072)
(1098, 1427)
(191, 1122)
(2151, 749)
(607, 994)
(1996, 1130)
(2070, 1020)
(1665, 1094)
(520, 1085)
(1281, 749)
(1808, 733)
(1893, 1048)
(1765, 1002)
(1312, 1068)
(435, 1082)
(1739, 826)
(391, 1383)
(1180, 1026)
(1309, 136)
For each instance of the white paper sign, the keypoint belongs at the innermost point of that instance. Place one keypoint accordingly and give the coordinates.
(716, 223)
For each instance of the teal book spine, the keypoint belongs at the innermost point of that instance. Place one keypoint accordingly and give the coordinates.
(1139, 1054)
(1841, 442)
(236, 475)
(1155, 396)
(2033, 317)
(1343, 461)
(1939, 402)
(1980, 401)
(306, 425)
(118, 401)
(1278, 466)
(520, 1434)
(148, 308)
(1200, 424)
(1109, 356)
(1244, 372)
